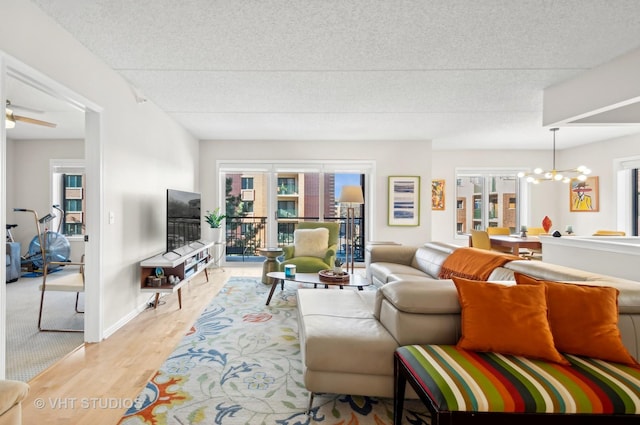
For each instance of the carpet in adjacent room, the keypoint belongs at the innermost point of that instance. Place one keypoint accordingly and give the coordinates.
(29, 351)
(240, 363)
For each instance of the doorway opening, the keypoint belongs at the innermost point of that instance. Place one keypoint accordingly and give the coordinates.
(27, 150)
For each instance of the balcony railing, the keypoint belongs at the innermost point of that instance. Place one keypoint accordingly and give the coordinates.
(244, 235)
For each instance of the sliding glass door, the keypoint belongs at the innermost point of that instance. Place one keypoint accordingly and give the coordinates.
(247, 209)
(264, 206)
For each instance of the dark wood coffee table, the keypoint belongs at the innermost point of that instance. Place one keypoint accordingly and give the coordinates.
(355, 281)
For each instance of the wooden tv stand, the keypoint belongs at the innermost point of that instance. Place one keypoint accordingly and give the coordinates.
(184, 263)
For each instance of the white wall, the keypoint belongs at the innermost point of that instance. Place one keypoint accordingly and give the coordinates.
(600, 157)
(29, 184)
(411, 158)
(144, 152)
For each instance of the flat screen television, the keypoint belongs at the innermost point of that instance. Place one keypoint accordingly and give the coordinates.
(183, 218)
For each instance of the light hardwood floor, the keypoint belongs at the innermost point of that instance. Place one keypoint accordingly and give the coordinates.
(96, 383)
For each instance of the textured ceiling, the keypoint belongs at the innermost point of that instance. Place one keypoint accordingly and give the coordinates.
(466, 74)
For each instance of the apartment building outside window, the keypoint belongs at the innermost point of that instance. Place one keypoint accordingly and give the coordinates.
(287, 209)
(247, 182)
(283, 195)
(487, 198)
(68, 191)
(73, 202)
(287, 186)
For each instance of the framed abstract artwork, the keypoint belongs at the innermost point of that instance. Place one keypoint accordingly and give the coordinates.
(583, 195)
(437, 195)
(404, 200)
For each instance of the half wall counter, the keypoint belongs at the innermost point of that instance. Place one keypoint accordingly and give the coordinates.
(614, 256)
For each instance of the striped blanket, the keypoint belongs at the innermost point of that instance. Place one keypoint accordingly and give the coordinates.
(459, 380)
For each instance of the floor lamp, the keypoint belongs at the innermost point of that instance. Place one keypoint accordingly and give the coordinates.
(351, 195)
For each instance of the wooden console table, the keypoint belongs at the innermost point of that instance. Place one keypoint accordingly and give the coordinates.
(184, 263)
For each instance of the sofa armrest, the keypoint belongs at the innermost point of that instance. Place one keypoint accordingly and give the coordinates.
(330, 255)
(400, 254)
(288, 251)
(425, 296)
(419, 312)
(12, 393)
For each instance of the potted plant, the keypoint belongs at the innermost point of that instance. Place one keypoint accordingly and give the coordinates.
(337, 267)
(214, 218)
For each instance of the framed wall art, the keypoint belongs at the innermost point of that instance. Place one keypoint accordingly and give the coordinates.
(404, 200)
(437, 195)
(583, 195)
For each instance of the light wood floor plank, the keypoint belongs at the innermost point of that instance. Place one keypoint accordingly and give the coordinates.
(94, 384)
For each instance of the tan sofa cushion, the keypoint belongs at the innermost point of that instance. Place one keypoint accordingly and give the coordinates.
(334, 328)
(429, 258)
(411, 296)
(386, 263)
(548, 271)
(387, 272)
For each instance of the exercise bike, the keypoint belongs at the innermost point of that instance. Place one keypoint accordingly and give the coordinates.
(9, 234)
(13, 256)
(54, 245)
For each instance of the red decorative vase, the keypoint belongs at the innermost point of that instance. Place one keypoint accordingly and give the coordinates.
(546, 223)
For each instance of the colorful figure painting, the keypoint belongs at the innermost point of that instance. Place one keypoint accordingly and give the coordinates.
(437, 195)
(583, 195)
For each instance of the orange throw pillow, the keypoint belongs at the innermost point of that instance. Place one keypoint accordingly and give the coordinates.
(506, 319)
(584, 319)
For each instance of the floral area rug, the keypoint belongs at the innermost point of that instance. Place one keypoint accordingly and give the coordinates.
(240, 364)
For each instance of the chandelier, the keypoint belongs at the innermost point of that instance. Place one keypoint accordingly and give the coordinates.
(539, 175)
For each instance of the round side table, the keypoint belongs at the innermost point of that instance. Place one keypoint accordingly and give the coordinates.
(270, 263)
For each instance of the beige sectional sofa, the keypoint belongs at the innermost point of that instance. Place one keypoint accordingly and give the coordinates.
(348, 337)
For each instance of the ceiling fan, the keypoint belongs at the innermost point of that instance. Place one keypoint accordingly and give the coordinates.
(11, 118)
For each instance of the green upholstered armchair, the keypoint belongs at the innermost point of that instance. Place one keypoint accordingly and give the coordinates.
(309, 264)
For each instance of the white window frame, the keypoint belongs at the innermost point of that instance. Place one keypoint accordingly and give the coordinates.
(622, 168)
(272, 168)
(523, 194)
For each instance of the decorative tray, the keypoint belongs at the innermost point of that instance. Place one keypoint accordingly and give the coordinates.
(331, 276)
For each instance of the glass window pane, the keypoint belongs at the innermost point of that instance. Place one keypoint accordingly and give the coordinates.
(246, 210)
(339, 180)
(297, 199)
(283, 195)
(287, 186)
(487, 199)
(247, 182)
(287, 209)
(68, 192)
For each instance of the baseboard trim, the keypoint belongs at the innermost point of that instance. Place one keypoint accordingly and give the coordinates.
(126, 319)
